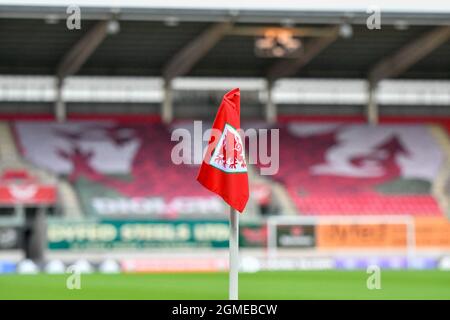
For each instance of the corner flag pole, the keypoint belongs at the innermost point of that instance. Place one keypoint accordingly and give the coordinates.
(224, 172)
(234, 254)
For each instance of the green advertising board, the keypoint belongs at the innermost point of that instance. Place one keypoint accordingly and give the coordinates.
(135, 234)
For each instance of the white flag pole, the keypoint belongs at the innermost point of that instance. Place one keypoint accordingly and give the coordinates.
(234, 254)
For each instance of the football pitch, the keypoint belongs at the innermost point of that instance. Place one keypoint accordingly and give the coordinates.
(261, 285)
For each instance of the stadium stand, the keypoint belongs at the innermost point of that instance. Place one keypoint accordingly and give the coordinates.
(355, 169)
(116, 168)
(328, 168)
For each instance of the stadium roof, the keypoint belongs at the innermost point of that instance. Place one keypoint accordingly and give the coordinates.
(318, 11)
(216, 40)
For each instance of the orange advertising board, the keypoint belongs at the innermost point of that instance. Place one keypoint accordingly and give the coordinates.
(429, 233)
(432, 233)
(361, 235)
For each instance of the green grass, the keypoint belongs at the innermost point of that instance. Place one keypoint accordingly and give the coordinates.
(261, 285)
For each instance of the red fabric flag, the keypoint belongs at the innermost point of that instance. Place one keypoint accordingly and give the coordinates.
(223, 170)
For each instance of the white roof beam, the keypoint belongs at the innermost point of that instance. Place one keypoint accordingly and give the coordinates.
(408, 55)
(185, 59)
(82, 50)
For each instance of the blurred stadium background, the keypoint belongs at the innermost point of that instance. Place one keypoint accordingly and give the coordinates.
(86, 177)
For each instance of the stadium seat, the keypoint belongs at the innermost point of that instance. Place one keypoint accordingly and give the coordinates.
(354, 169)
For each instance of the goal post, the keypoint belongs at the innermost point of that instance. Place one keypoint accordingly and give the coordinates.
(275, 223)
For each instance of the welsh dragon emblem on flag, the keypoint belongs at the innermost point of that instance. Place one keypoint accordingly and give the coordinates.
(229, 154)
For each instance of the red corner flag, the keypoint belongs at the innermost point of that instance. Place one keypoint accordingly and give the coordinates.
(223, 169)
